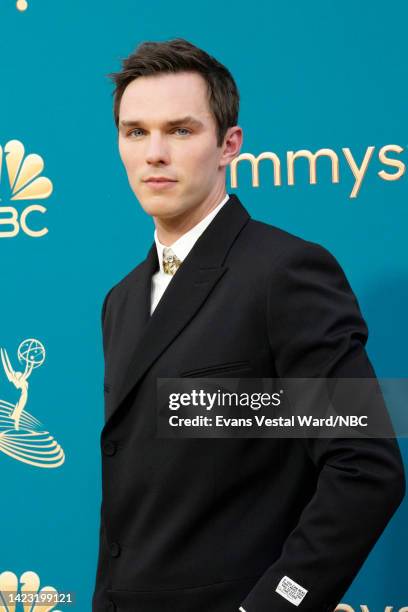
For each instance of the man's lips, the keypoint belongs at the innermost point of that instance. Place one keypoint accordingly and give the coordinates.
(161, 179)
(160, 182)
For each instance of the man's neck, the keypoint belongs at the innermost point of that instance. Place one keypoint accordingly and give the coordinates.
(170, 230)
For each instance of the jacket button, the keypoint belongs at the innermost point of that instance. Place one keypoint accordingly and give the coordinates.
(111, 607)
(109, 447)
(115, 549)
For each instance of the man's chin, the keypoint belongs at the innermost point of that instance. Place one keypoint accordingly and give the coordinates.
(161, 207)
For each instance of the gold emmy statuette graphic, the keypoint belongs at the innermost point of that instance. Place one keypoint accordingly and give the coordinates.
(22, 6)
(22, 436)
(20, 595)
(24, 184)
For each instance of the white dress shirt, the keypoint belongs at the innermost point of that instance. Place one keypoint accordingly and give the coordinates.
(181, 248)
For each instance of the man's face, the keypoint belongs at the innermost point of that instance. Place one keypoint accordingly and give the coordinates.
(166, 129)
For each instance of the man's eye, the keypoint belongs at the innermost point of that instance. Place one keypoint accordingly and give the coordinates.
(185, 130)
(136, 130)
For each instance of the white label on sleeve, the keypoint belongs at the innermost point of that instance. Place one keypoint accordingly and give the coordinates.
(291, 590)
(242, 609)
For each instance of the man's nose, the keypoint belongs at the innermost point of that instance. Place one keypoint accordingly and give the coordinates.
(157, 150)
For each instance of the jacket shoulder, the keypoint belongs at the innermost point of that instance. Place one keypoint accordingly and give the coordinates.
(121, 285)
(128, 279)
(274, 246)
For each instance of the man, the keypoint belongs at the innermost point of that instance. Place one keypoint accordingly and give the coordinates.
(221, 525)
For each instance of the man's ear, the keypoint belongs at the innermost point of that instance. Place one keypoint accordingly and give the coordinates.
(232, 145)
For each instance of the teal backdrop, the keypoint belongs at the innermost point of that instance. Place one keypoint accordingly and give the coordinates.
(318, 74)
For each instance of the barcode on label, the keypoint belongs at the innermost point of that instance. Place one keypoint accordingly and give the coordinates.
(291, 590)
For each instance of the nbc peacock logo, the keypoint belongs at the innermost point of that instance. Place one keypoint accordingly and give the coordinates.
(21, 180)
(25, 594)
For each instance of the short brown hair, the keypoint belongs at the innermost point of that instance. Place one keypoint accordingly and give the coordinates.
(179, 55)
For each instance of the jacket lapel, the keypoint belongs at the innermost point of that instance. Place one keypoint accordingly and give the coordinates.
(192, 284)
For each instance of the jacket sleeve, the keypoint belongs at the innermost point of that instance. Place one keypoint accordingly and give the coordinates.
(102, 573)
(316, 330)
(103, 316)
(104, 306)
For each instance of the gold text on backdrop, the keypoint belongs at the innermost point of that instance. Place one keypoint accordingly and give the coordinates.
(359, 171)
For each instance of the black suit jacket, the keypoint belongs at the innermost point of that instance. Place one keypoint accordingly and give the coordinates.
(212, 525)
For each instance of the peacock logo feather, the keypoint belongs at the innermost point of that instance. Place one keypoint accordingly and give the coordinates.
(23, 173)
(27, 591)
(22, 5)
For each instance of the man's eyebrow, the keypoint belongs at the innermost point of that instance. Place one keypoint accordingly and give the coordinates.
(189, 120)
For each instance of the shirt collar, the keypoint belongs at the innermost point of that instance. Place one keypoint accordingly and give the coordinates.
(185, 243)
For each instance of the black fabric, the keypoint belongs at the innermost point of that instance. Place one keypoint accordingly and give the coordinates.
(208, 525)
